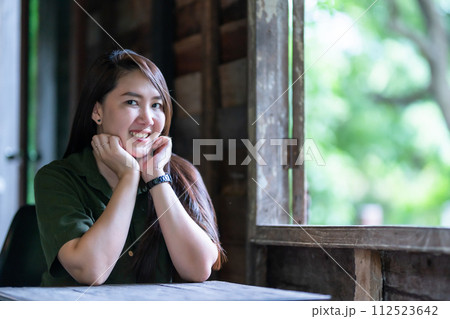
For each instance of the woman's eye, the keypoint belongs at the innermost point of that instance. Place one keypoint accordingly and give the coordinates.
(131, 102)
(157, 105)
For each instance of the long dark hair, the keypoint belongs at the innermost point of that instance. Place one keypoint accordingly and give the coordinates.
(187, 182)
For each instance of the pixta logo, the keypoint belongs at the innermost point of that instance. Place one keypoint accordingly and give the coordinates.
(283, 148)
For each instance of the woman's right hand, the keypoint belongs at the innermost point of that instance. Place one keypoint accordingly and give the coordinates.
(109, 149)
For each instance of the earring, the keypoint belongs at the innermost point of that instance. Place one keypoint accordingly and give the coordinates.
(99, 121)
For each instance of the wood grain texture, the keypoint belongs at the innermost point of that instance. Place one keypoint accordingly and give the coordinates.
(189, 16)
(268, 106)
(210, 88)
(413, 239)
(209, 290)
(233, 41)
(188, 90)
(234, 269)
(368, 275)
(298, 114)
(415, 276)
(233, 84)
(313, 270)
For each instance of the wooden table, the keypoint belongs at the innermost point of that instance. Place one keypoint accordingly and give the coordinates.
(209, 290)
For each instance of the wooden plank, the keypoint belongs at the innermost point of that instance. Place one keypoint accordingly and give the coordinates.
(233, 41)
(413, 239)
(182, 3)
(210, 88)
(133, 15)
(368, 275)
(231, 217)
(234, 269)
(311, 269)
(209, 290)
(188, 93)
(186, 130)
(233, 84)
(233, 10)
(415, 276)
(187, 57)
(257, 262)
(189, 17)
(268, 108)
(252, 109)
(232, 124)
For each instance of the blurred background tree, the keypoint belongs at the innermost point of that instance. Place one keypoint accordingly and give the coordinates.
(378, 108)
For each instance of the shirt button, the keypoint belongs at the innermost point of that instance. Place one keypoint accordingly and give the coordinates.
(130, 253)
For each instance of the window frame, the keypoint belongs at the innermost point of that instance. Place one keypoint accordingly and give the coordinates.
(264, 19)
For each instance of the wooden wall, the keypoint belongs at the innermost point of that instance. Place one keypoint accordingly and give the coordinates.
(227, 110)
(130, 24)
(404, 275)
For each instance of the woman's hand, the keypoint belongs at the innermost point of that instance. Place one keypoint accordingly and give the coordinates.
(109, 150)
(152, 165)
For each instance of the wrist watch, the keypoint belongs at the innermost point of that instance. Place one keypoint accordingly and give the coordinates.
(161, 179)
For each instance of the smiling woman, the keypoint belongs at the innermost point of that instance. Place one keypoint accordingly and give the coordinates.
(110, 195)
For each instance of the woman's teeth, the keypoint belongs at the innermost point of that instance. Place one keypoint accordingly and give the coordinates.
(139, 135)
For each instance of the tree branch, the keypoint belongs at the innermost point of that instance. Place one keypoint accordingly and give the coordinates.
(403, 30)
(404, 100)
(434, 47)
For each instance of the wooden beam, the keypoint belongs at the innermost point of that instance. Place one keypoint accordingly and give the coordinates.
(267, 116)
(298, 102)
(268, 107)
(414, 239)
(369, 277)
(232, 45)
(210, 84)
(257, 262)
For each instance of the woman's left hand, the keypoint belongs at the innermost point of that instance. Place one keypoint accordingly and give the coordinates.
(152, 165)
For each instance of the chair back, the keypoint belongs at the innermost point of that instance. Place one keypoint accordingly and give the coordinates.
(22, 261)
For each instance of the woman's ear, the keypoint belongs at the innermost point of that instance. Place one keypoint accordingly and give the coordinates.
(97, 113)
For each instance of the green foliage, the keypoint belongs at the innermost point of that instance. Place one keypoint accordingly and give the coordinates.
(395, 156)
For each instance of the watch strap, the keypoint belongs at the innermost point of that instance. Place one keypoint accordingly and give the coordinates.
(166, 178)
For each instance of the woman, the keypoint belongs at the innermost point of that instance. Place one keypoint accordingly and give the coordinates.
(120, 207)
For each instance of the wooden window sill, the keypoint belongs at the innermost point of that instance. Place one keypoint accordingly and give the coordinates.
(403, 238)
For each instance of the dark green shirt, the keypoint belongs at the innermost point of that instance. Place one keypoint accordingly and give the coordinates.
(71, 194)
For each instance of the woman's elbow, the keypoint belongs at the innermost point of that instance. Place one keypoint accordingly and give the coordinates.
(90, 277)
(200, 274)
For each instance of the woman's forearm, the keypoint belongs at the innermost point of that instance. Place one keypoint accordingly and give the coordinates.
(91, 258)
(192, 251)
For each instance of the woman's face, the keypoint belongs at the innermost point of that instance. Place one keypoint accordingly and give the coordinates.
(133, 111)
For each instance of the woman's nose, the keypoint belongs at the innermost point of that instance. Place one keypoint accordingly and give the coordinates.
(147, 116)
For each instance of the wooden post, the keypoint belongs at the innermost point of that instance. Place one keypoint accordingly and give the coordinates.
(368, 275)
(268, 183)
(256, 265)
(210, 84)
(298, 101)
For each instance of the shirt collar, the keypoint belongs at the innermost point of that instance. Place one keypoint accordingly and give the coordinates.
(84, 164)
